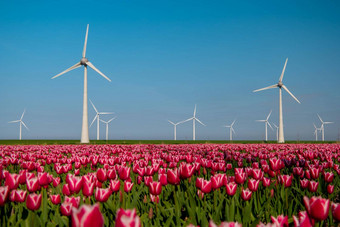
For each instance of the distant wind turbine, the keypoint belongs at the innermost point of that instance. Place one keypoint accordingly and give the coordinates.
(323, 127)
(175, 124)
(107, 126)
(193, 124)
(280, 85)
(231, 130)
(84, 62)
(316, 132)
(97, 117)
(21, 123)
(266, 122)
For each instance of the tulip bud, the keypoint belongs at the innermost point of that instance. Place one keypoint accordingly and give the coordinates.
(102, 194)
(246, 194)
(336, 211)
(4, 192)
(55, 199)
(127, 186)
(66, 208)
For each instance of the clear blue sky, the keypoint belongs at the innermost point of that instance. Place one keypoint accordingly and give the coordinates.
(163, 57)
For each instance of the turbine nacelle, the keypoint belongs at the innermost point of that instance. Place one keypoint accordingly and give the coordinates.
(83, 61)
(280, 84)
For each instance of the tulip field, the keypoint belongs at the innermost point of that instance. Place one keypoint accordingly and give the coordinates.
(170, 185)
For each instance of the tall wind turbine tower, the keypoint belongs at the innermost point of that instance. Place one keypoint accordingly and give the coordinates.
(194, 118)
(316, 132)
(231, 130)
(84, 62)
(21, 122)
(266, 123)
(98, 117)
(323, 123)
(280, 85)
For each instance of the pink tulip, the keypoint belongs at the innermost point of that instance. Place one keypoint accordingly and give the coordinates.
(55, 199)
(253, 185)
(303, 220)
(173, 176)
(127, 186)
(75, 201)
(280, 220)
(317, 207)
(20, 196)
(12, 181)
(115, 185)
(88, 188)
(336, 211)
(4, 192)
(127, 218)
(155, 188)
(124, 173)
(246, 194)
(101, 175)
(231, 188)
(102, 194)
(32, 184)
(313, 186)
(66, 208)
(87, 216)
(33, 201)
(206, 186)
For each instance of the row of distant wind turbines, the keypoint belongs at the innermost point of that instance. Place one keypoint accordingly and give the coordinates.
(85, 129)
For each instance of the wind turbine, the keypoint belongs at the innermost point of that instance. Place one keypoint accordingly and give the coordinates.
(175, 124)
(323, 127)
(266, 123)
(21, 123)
(231, 130)
(316, 132)
(97, 117)
(84, 62)
(280, 85)
(277, 131)
(193, 124)
(107, 126)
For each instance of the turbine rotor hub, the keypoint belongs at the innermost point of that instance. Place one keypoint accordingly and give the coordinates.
(83, 61)
(280, 84)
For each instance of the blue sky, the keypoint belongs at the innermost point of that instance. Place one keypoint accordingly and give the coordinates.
(163, 57)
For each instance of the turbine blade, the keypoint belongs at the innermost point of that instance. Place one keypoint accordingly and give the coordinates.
(199, 121)
(93, 106)
(24, 125)
(102, 121)
(195, 111)
(269, 115)
(320, 118)
(284, 87)
(85, 43)
(314, 126)
(283, 71)
(67, 70)
(94, 120)
(270, 125)
(106, 113)
(111, 119)
(265, 88)
(23, 113)
(275, 125)
(261, 120)
(13, 121)
(95, 69)
(185, 120)
(328, 122)
(171, 122)
(233, 122)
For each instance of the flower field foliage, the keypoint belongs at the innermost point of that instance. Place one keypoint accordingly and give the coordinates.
(170, 185)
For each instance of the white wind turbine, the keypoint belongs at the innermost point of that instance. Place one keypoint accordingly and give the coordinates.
(323, 127)
(175, 124)
(84, 62)
(277, 131)
(280, 85)
(231, 130)
(97, 117)
(316, 132)
(266, 122)
(193, 124)
(107, 126)
(21, 123)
